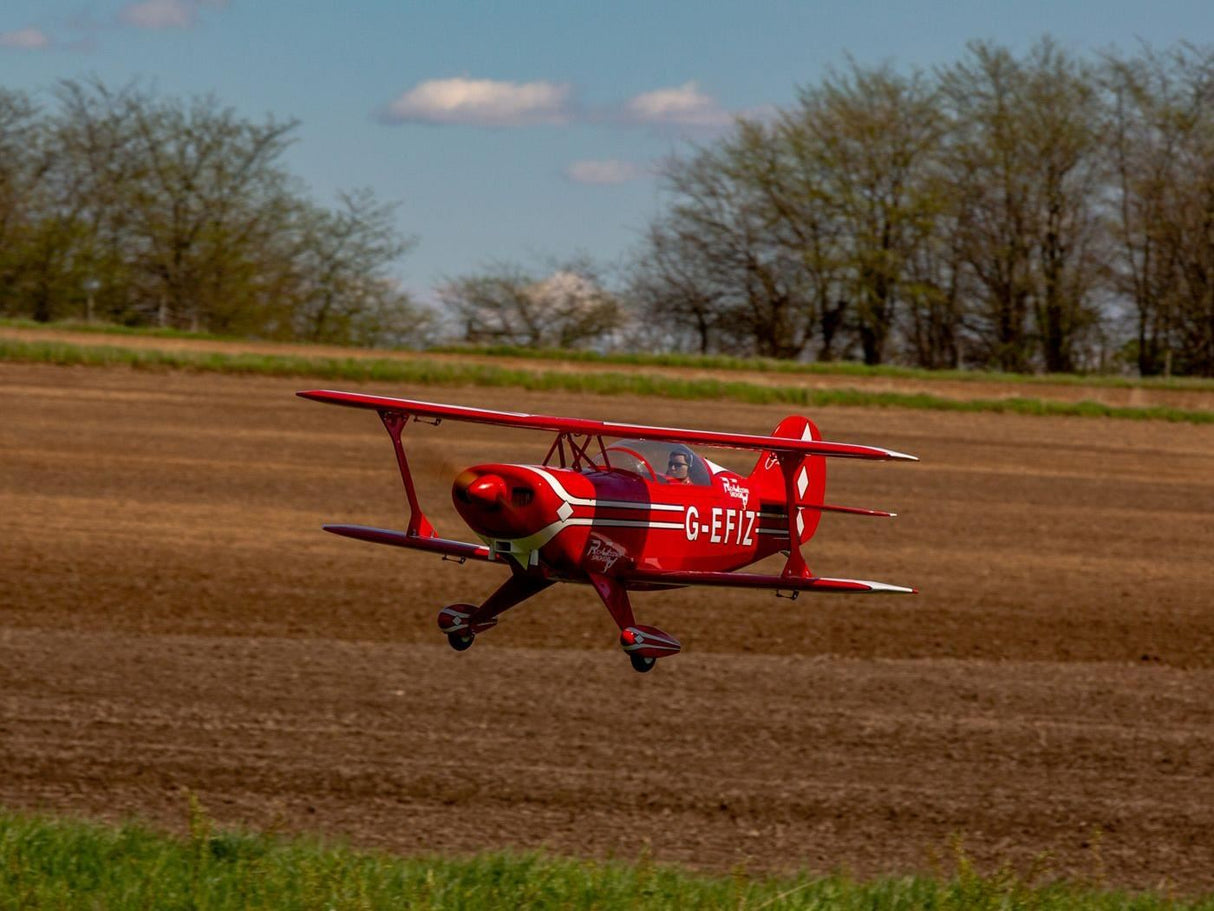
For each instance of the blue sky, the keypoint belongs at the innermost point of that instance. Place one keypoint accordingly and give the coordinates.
(523, 131)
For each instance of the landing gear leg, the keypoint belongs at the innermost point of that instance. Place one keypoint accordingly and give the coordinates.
(643, 644)
(461, 622)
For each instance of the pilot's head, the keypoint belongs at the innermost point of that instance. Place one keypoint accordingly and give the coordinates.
(679, 465)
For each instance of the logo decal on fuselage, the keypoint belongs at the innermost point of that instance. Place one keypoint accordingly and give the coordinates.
(734, 489)
(603, 552)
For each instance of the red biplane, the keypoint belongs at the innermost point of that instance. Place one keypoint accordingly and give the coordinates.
(642, 513)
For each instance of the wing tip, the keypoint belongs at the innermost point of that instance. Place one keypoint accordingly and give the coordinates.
(870, 587)
(886, 587)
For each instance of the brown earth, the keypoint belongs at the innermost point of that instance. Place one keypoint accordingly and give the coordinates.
(172, 618)
(1192, 398)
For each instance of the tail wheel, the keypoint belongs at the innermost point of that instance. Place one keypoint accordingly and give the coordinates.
(642, 665)
(461, 642)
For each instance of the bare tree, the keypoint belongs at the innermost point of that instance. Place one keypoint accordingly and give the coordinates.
(506, 304)
(678, 308)
(935, 286)
(19, 178)
(1064, 135)
(1160, 109)
(44, 238)
(344, 292)
(803, 228)
(793, 180)
(207, 186)
(1023, 155)
(181, 214)
(716, 263)
(873, 136)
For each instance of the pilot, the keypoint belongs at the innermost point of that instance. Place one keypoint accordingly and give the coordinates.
(678, 468)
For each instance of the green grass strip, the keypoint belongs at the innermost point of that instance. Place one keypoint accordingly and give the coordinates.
(426, 371)
(97, 328)
(828, 368)
(58, 863)
(716, 362)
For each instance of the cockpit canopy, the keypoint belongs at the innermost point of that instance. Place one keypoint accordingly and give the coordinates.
(658, 462)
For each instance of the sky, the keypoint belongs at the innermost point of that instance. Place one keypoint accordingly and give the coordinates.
(525, 132)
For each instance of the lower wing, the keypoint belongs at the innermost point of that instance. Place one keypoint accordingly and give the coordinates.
(777, 583)
(465, 551)
(458, 549)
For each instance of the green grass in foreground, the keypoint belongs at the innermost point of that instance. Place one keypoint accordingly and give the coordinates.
(56, 863)
(431, 372)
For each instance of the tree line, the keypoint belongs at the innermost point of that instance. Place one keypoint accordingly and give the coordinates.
(1040, 212)
(1032, 212)
(127, 207)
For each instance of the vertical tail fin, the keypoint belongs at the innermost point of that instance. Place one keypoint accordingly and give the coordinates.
(767, 479)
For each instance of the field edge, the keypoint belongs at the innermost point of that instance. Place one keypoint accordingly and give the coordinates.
(427, 372)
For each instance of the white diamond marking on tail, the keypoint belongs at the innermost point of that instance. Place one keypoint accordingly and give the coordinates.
(800, 523)
(802, 482)
(805, 434)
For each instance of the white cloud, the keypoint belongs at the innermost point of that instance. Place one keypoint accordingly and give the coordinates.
(158, 14)
(25, 39)
(481, 102)
(683, 105)
(606, 171)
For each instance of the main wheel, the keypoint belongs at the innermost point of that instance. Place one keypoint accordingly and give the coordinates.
(461, 642)
(642, 665)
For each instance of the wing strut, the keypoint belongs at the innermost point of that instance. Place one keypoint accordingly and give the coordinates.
(394, 423)
(579, 453)
(796, 567)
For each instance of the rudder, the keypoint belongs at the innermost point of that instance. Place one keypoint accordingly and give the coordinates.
(809, 479)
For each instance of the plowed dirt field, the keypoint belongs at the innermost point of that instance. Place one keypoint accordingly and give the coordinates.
(172, 618)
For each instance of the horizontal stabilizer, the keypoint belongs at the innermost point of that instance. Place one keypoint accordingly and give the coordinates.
(850, 510)
(443, 546)
(780, 583)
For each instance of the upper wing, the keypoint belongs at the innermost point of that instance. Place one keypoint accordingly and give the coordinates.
(602, 428)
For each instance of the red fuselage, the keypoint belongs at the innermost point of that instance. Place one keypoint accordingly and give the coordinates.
(565, 523)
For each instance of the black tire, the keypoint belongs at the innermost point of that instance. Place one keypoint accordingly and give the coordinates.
(642, 665)
(461, 642)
